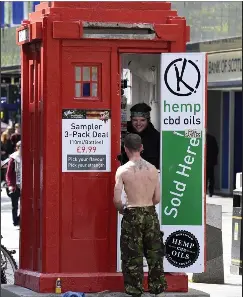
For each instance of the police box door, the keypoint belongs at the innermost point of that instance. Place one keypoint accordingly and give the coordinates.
(88, 158)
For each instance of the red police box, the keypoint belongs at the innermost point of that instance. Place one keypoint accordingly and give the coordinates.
(68, 221)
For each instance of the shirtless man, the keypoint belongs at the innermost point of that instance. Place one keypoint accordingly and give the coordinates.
(140, 229)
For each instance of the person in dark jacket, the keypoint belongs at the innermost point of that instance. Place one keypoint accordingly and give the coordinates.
(211, 161)
(140, 124)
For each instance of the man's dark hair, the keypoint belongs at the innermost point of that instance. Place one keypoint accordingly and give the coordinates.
(133, 142)
(141, 110)
(140, 107)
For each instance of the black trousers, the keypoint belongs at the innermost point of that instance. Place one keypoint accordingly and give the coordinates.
(3, 174)
(15, 205)
(210, 179)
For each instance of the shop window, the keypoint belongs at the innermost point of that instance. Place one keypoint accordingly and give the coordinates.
(87, 82)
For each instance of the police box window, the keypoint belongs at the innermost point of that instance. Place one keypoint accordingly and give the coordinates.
(87, 82)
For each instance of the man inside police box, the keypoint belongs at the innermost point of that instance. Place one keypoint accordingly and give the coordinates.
(140, 124)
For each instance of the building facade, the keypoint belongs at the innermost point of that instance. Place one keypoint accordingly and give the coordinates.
(207, 20)
(224, 106)
(12, 13)
(211, 20)
(11, 16)
(216, 28)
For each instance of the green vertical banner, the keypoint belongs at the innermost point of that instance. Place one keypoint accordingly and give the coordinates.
(183, 84)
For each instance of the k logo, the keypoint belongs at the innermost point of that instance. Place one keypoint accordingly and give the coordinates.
(182, 87)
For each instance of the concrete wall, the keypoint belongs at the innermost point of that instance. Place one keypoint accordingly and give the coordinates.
(214, 273)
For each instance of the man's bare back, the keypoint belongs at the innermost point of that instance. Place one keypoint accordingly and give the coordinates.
(141, 183)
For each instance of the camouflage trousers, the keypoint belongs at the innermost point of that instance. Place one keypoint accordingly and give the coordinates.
(141, 236)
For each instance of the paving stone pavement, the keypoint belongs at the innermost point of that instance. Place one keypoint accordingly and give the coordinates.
(233, 283)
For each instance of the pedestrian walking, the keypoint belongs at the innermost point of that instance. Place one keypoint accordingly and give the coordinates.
(14, 180)
(140, 228)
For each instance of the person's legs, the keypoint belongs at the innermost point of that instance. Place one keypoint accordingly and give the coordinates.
(154, 253)
(15, 203)
(3, 174)
(132, 252)
(211, 180)
(3, 178)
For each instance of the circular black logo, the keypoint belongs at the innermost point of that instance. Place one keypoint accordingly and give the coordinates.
(177, 81)
(182, 249)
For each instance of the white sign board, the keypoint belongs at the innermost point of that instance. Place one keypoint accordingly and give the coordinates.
(86, 140)
(183, 84)
(225, 66)
(182, 81)
(23, 35)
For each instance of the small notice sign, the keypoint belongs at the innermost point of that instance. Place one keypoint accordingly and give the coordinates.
(86, 140)
(23, 35)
